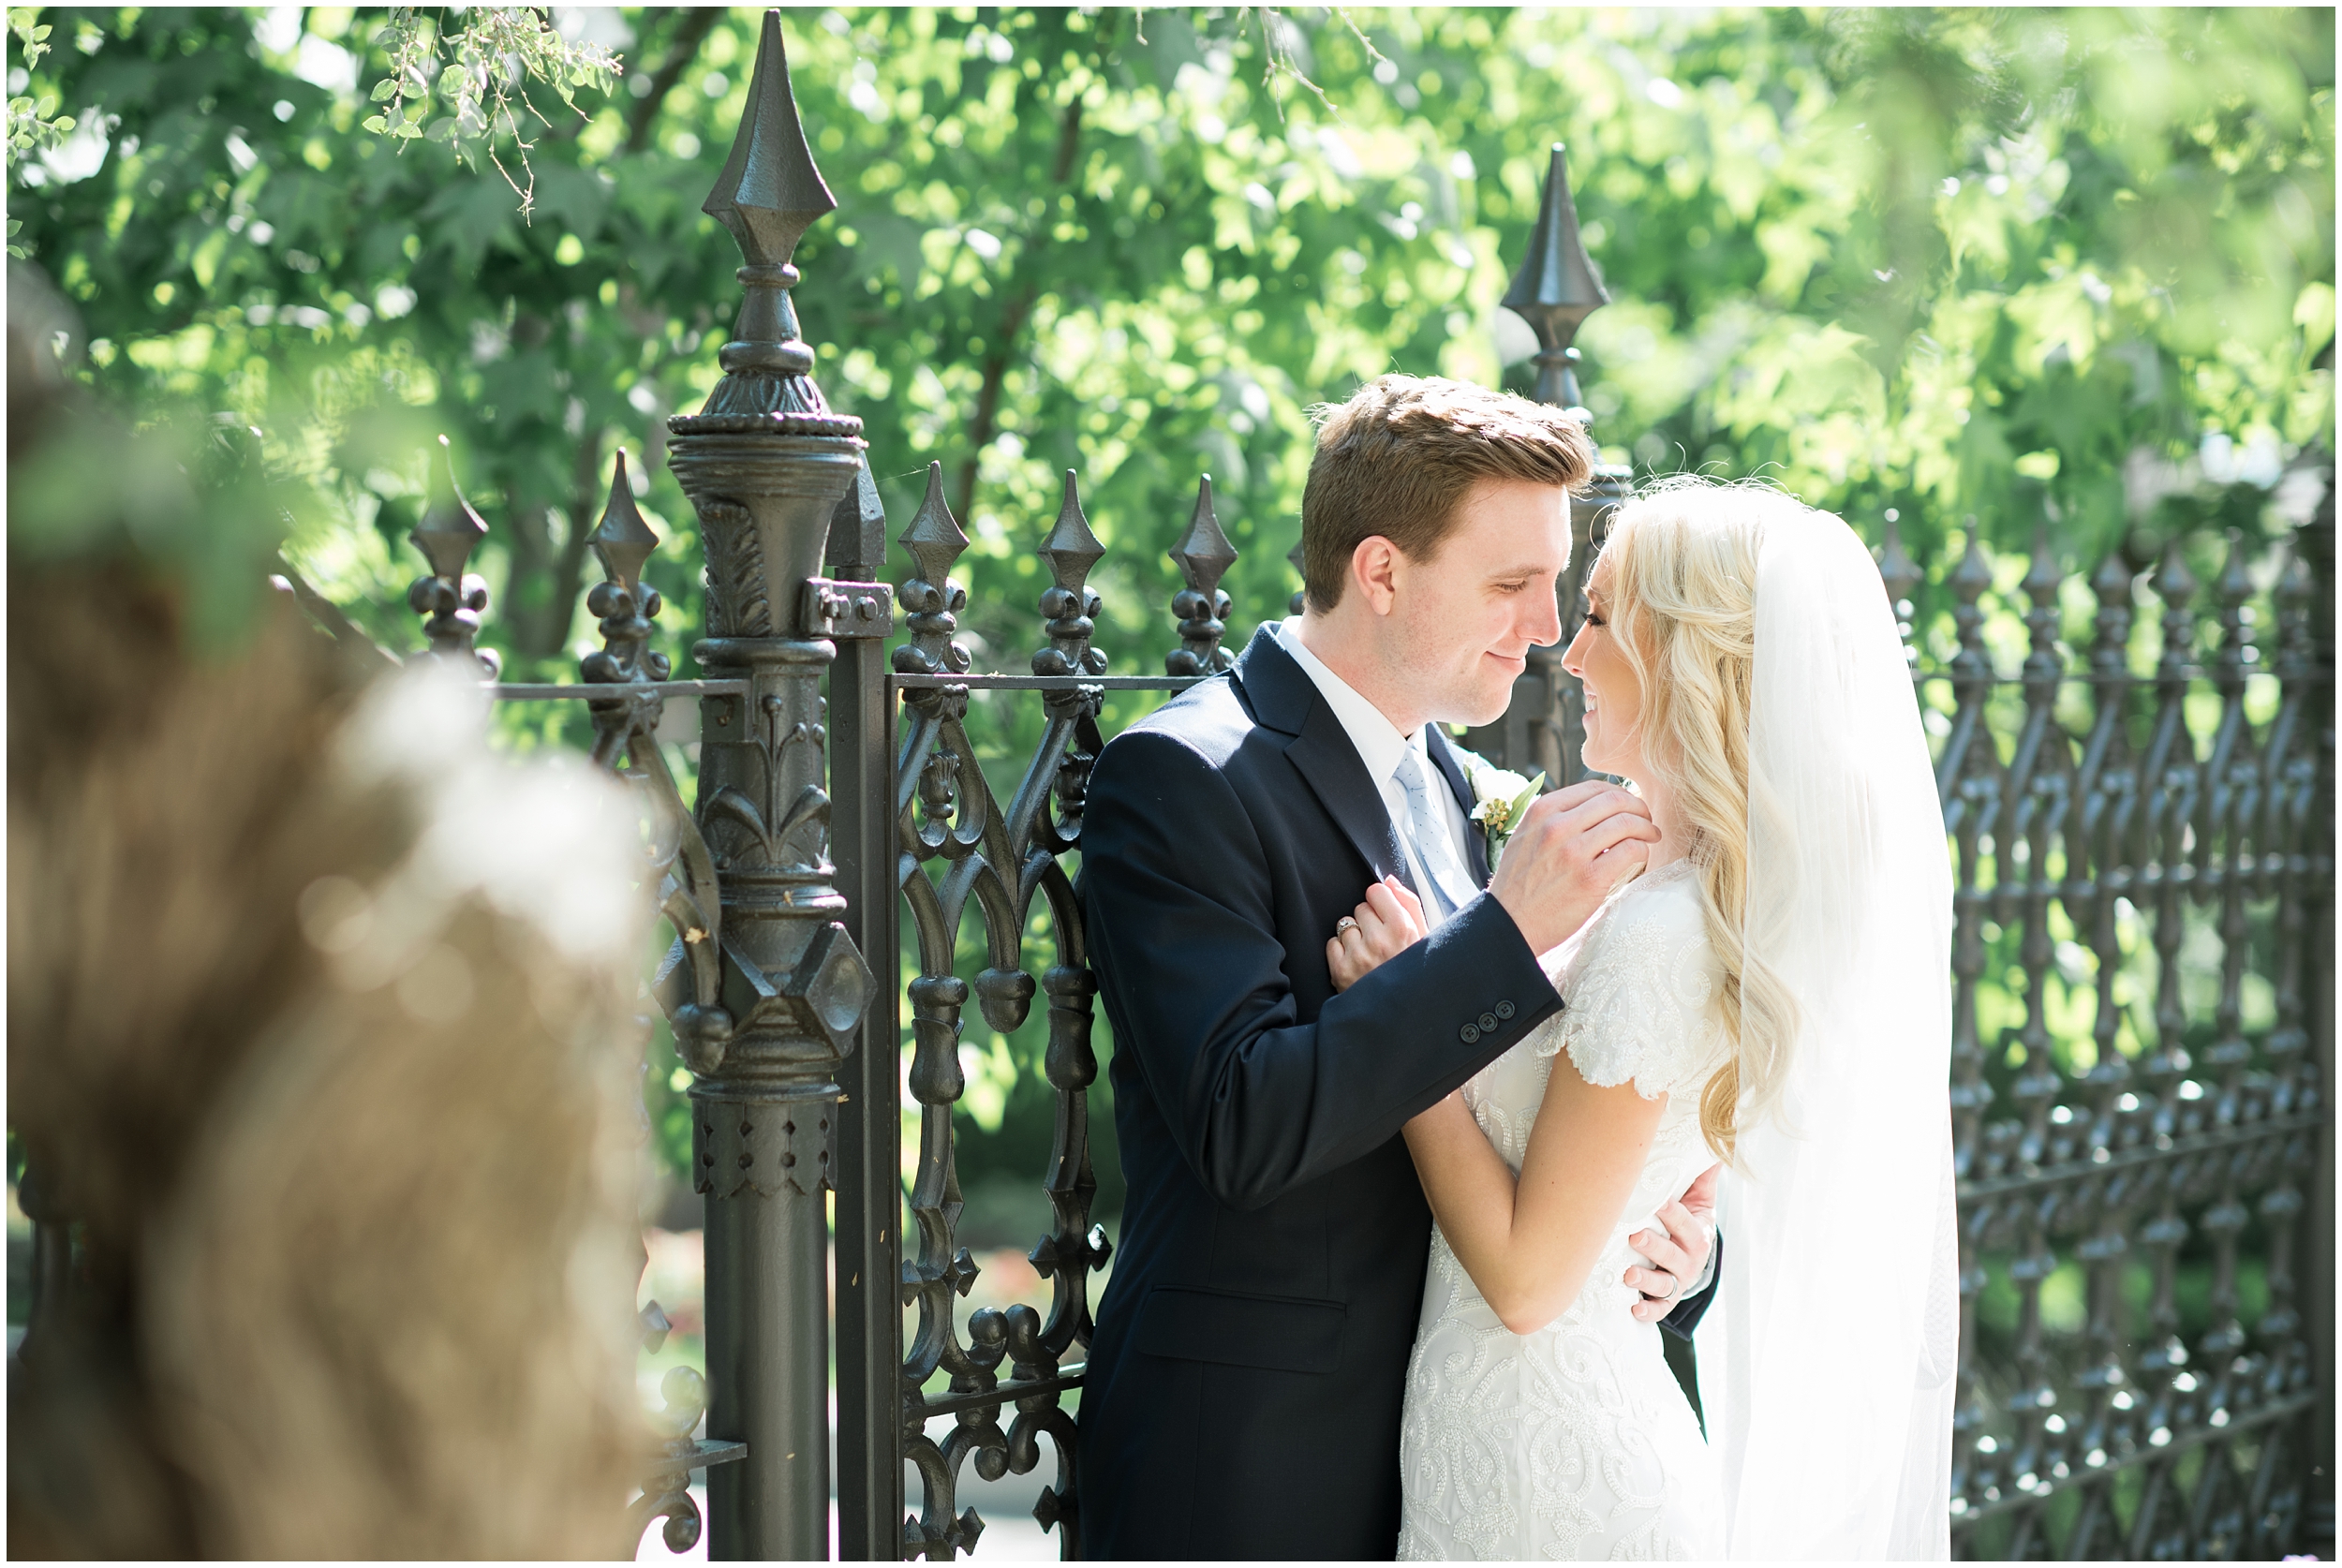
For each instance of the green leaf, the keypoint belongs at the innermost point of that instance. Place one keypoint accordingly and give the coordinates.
(376, 124)
(1526, 798)
(385, 90)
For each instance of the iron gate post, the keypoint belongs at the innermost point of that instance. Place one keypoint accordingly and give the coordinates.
(869, 1142)
(764, 464)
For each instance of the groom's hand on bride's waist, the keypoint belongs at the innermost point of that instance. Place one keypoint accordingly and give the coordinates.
(1571, 848)
(1677, 1250)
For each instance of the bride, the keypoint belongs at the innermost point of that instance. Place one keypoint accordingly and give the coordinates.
(1771, 993)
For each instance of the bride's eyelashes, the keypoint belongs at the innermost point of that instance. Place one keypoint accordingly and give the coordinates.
(1593, 617)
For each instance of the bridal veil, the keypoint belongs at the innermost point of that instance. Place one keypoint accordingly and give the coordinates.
(1828, 1361)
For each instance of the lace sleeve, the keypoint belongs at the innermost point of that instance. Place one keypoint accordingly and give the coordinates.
(1638, 1002)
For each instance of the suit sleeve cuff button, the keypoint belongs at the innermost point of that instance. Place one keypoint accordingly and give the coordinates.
(1487, 1023)
(1468, 1034)
(1505, 1010)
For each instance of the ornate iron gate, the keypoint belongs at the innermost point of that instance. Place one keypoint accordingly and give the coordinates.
(2096, 855)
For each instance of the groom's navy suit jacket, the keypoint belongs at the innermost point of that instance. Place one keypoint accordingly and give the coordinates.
(1247, 1372)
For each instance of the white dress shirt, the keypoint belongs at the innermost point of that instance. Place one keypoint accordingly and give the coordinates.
(1380, 747)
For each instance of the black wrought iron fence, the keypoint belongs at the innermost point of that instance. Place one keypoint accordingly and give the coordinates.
(2141, 821)
(2142, 1041)
(2142, 1034)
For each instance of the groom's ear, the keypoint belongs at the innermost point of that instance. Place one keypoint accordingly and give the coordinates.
(1374, 567)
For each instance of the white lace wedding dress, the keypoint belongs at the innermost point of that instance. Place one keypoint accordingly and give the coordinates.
(1575, 1442)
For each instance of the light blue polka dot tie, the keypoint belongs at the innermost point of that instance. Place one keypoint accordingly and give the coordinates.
(1451, 888)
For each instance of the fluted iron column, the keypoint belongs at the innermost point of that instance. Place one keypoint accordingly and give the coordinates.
(765, 464)
(1556, 290)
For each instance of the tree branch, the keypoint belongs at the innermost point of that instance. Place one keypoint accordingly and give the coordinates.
(981, 427)
(697, 22)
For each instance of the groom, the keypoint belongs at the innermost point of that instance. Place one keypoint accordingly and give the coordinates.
(1246, 1377)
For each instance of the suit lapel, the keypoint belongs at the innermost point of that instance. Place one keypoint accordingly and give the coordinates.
(1476, 835)
(1282, 697)
(1322, 753)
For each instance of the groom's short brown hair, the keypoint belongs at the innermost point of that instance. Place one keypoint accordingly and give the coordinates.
(1396, 458)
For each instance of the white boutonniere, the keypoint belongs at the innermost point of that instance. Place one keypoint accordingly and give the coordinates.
(1504, 797)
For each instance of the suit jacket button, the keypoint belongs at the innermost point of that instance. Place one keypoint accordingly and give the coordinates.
(1470, 1034)
(1503, 1009)
(1487, 1023)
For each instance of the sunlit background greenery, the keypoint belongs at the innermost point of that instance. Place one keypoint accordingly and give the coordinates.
(2065, 270)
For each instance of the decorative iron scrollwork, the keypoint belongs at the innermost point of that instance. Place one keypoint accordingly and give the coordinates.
(667, 1483)
(1000, 861)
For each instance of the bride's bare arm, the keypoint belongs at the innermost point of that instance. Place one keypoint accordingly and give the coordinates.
(1529, 1244)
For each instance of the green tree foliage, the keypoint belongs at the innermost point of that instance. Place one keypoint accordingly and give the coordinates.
(2071, 263)
(1896, 258)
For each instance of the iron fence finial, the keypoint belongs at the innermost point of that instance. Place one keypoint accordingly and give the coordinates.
(2042, 577)
(770, 192)
(1069, 604)
(623, 540)
(1203, 556)
(1557, 287)
(624, 609)
(2296, 587)
(931, 601)
(1071, 548)
(1971, 666)
(2175, 582)
(2112, 587)
(449, 531)
(768, 195)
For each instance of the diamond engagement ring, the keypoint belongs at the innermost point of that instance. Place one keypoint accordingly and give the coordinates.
(1344, 926)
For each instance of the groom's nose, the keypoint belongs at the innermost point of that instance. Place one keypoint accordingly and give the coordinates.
(1541, 619)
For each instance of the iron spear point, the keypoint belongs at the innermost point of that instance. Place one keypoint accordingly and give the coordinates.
(1069, 604)
(1203, 556)
(768, 195)
(450, 529)
(624, 541)
(1557, 287)
(448, 534)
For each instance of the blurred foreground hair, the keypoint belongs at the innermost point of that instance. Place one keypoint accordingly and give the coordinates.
(320, 1019)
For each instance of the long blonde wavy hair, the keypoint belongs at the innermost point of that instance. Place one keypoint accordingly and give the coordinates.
(1683, 611)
